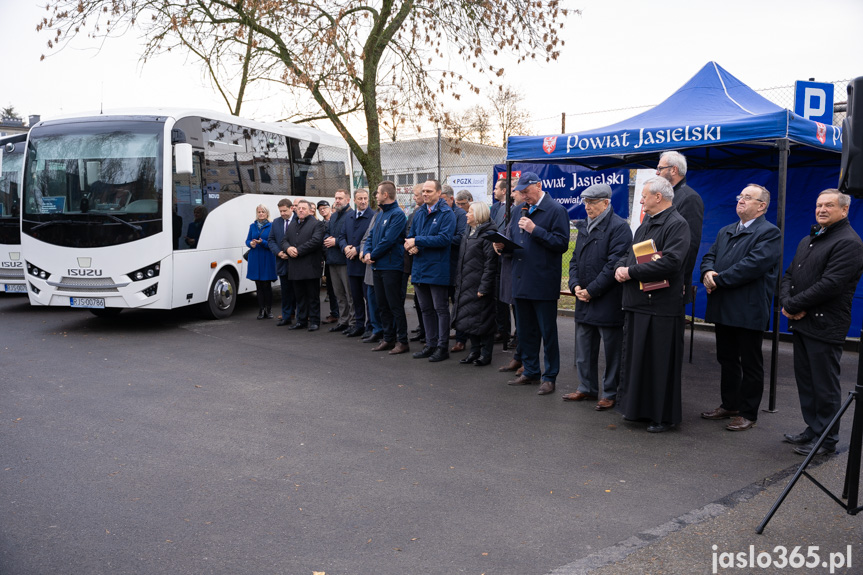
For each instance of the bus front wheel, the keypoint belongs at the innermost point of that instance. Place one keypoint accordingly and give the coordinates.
(222, 297)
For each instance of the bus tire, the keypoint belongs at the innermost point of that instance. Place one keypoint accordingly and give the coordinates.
(222, 297)
(107, 312)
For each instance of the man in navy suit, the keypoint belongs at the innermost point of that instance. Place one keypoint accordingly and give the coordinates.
(277, 232)
(541, 230)
(350, 242)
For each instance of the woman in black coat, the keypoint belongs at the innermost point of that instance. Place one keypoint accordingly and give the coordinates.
(474, 311)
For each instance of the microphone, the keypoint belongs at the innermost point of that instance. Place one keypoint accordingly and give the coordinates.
(524, 215)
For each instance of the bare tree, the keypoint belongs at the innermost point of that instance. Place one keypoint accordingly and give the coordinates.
(341, 57)
(9, 113)
(509, 116)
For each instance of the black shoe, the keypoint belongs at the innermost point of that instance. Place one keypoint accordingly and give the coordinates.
(374, 338)
(283, 322)
(297, 325)
(314, 327)
(801, 439)
(440, 354)
(418, 337)
(427, 351)
(354, 332)
(262, 314)
(482, 360)
(659, 427)
(269, 313)
(339, 328)
(368, 333)
(471, 357)
(825, 449)
(415, 330)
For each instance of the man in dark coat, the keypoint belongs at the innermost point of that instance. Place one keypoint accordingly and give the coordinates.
(384, 250)
(653, 325)
(498, 216)
(602, 239)
(274, 242)
(304, 244)
(541, 230)
(687, 202)
(740, 273)
(448, 195)
(430, 242)
(816, 294)
(337, 261)
(350, 242)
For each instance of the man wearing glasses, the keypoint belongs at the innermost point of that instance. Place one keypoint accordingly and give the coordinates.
(740, 273)
(672, 167)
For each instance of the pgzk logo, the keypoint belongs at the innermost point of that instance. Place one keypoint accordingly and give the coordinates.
(549, 144)
(822, 132)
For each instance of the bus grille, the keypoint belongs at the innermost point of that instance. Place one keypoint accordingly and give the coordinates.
(11, 274)
(83, 285)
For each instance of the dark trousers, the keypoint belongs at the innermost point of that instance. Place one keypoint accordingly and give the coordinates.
(331, 294)
(373, 321)
(434, 304)
(537, 322)
(738, 351)
(391, 304)
(289, 299)
(587, 342)
(308, 293)
(482, 344)
(816, 369)
(419, 315)
(264, 291)
(358, 296)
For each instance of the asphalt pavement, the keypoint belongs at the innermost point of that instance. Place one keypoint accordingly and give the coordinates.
(158, 442)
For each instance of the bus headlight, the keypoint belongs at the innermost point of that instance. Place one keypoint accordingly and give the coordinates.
(37, 272)
(148, 272)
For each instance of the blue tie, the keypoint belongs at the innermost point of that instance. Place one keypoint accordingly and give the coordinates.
(531, 210)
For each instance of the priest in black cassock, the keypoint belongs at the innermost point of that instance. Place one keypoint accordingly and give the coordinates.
(653, 330)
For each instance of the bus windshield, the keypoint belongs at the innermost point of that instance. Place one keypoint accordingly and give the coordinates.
(13, 159)
(92, 184)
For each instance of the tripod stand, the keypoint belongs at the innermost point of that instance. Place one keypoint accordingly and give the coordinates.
(851, 490)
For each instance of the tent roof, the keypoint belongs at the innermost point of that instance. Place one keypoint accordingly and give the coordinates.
(710, 112)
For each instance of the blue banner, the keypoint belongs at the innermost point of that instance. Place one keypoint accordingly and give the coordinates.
(565, 183)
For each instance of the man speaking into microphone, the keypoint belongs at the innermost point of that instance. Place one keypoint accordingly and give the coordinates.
(542, 234)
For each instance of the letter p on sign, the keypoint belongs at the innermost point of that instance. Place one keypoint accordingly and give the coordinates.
(814, 101)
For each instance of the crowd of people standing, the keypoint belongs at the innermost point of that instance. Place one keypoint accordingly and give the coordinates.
(480, 270)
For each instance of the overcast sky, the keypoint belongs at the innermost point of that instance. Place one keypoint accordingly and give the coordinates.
(618, 54)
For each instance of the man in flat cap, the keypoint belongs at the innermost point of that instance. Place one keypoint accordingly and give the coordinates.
(602, 240)
(541, 230)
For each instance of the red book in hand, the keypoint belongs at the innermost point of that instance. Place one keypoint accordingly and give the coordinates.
(650, 286)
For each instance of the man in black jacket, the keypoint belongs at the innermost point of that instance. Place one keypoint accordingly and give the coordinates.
(816, 294)
(304, 244)
(672, 167)
(653, 332)
(740, 272)
(603, 238)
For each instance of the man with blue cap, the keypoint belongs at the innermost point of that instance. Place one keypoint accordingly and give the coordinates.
(540, 229)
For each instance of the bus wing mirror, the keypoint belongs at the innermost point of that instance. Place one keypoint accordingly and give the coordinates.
(183, 158)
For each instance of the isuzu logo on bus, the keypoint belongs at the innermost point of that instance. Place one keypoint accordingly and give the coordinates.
(84, 273)
(11, 264)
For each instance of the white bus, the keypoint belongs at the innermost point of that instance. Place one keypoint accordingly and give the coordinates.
(149, 209)
(11, 263)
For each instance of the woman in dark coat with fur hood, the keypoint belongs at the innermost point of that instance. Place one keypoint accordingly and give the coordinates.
(474, 311)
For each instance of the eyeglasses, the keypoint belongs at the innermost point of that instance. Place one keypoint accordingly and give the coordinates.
(748, 198)
(660, 168)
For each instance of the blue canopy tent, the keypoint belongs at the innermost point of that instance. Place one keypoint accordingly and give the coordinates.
(731, 136)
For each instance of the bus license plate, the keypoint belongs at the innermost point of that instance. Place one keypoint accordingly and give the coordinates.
(16, 288)
(88, 302)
